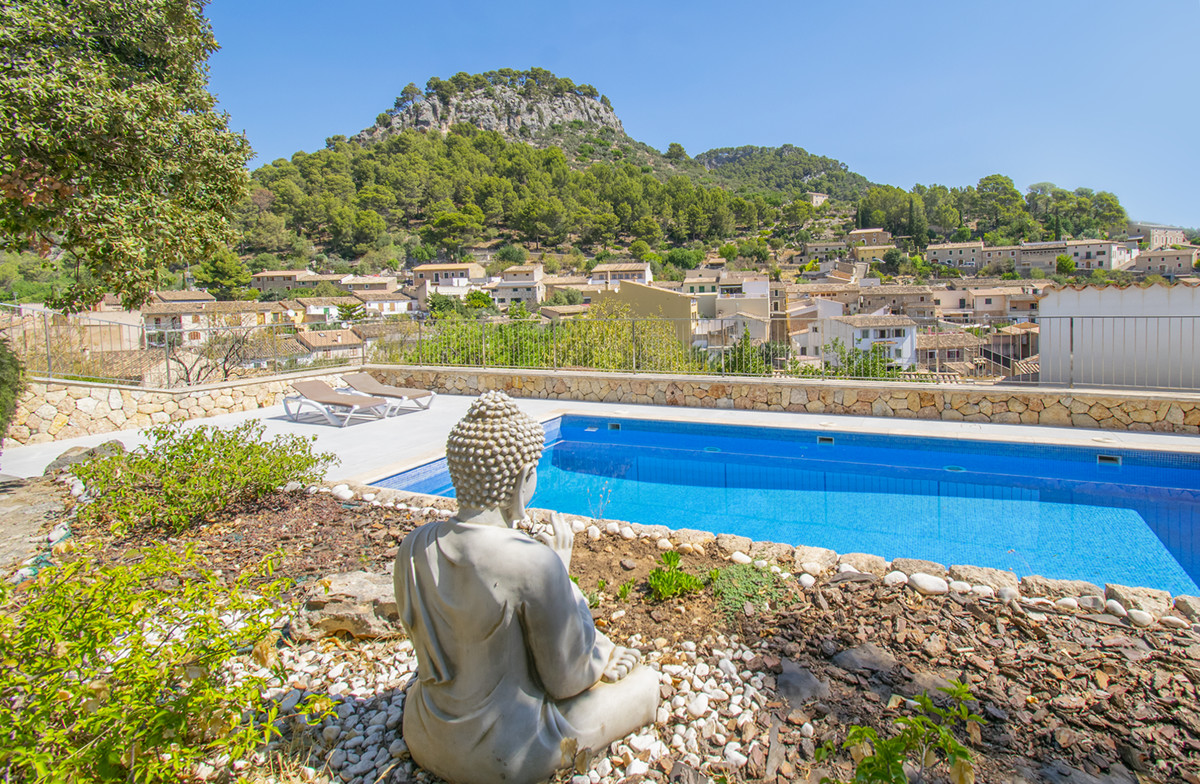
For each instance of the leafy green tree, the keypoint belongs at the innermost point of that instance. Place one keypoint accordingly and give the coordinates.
(638, 249)
(322, 289)
(675, 152)
(1064, 264)
(513, 254)
(728, 251)
(113, 150)
(223, 275)
(565, 297)
(745, 359)
(351, 313)
(479, 300)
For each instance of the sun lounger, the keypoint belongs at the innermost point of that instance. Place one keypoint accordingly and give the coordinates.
(366, 383)
(338, 408)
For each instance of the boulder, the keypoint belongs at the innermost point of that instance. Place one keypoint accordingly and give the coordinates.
(362, 604)
(865, 562)
(1151, 600)
(981, 575)
(692, 536)
(827, 559)
(78, 454)
(730, 543)
(911, 566)
(772, 551)
(1189, 606)
(928, 584)
(865, 657)
(798, 685)
(1036, 585)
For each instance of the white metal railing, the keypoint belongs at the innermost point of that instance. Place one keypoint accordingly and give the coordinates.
(1120, 352)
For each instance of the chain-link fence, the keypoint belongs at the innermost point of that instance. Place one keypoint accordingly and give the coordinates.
(1100, 351)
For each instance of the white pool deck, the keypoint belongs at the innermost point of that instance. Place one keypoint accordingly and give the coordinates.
(373, 449)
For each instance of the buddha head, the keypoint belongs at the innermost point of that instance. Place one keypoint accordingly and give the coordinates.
(492, 454)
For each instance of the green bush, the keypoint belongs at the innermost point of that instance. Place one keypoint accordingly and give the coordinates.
(186, 475)
(11, 382)
(668, 580)
(927, 739)
(119, 672)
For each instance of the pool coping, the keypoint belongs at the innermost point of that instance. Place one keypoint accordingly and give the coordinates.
(1055, 595)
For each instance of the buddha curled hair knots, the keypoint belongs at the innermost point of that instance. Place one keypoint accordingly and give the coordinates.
(488, 448)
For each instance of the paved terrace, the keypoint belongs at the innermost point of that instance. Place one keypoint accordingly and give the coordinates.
(373, 449)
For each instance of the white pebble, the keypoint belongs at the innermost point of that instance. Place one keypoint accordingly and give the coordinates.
(1113, 607)
(960, 586)
(895, 578)
(807, 580)
(740, 558)
(1067, 603)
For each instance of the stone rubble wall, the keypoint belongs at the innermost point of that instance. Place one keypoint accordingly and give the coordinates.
(1168, 412)
(53, 410)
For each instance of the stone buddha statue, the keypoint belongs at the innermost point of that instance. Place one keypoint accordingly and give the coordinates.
(513, 679)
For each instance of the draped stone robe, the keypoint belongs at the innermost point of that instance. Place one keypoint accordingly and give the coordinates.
(501, 634)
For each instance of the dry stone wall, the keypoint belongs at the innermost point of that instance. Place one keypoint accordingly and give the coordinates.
(1113, 410)
(50, 411)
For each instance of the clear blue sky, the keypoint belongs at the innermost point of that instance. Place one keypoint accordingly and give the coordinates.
(1090, 93)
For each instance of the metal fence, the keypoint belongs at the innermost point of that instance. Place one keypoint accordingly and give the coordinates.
(1080, 351)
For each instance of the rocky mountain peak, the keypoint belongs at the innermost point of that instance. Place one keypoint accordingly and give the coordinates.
(516, 105)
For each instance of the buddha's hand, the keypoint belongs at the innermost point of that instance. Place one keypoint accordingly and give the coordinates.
(621, 663)
(561, 541)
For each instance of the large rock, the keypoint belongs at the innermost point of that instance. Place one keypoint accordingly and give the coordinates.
(798, 685)
(1151, 600)
(1036, 585)
(771, 551)
(865, 562)
(361, 604)
(865, 657)
(1189, 606)
(818, 555)
(981, 575)
(692, 536)
(734, 544)
(78, 454)
(912, 565)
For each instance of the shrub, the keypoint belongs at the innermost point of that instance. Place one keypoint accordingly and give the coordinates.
(118, 672)
(11, 382)
(928, 738)
(741, 583)
(184, 476)
(668, 580)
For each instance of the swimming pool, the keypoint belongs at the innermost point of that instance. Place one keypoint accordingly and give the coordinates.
(1098, 514)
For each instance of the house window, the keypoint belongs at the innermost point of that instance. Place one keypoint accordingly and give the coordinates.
(987, 300)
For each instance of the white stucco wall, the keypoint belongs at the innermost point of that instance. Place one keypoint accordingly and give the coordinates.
(1145, 337)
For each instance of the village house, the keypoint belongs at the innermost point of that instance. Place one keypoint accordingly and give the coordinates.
(1099, 254)
(522, 283)
(331, 345)
(1168, 262)
(823, 250)
(162, 297)
(457, 274)
(555, 313)
(869, 253)
(615, 273)
(817, 199)
(317, 310)
(897, 335)
(941, 351)
(1156, 235)
(357, 283)
(955, 254)
(910, 300)
(996, 254)
(194, 321)
(385, 303)
(869, 237)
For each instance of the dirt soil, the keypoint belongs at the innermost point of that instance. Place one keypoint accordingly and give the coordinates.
(1067, 697)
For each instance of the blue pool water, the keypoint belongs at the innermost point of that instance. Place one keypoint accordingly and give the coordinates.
(1098, 514)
